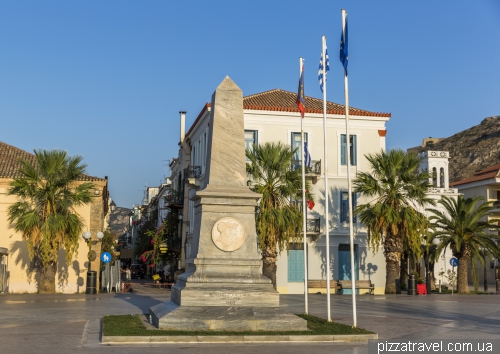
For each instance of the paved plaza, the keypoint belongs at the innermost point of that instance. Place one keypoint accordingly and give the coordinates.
(71, 323)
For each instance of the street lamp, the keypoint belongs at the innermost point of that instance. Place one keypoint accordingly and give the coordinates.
(91, 274)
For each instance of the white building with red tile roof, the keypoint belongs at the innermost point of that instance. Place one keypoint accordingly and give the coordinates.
(273, 116)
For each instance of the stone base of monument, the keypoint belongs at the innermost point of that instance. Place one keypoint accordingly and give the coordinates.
(171, 316)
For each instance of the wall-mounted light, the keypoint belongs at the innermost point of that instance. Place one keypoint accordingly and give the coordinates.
(112, 205)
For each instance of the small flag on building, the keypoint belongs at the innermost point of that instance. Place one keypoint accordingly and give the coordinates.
(343, 46)
(310, 204)
(307, 156)
(301, 101)
(322, 79)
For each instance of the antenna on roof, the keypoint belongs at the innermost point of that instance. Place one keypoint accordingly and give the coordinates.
(166, 165)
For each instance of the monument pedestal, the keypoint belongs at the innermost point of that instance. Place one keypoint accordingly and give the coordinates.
(171, 316)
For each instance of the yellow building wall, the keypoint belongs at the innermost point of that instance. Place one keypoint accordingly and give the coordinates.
(22, 277)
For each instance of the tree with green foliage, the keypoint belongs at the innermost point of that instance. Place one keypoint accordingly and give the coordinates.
(464, 227)
(279, 219)
(151, 237)
(48, 192)
(395, 191)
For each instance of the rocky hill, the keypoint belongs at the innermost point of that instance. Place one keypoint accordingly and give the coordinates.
(119, 221)
(471, 150)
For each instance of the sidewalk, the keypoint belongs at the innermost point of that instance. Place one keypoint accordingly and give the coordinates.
(60, 323)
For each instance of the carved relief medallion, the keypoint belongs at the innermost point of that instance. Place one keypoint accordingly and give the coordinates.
(228, 234)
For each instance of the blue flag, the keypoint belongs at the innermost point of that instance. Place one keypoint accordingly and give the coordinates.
(320, 70)
(307, 156)
(343, 46)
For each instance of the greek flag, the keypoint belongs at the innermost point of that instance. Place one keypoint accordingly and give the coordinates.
(307, 156)
(320, 70)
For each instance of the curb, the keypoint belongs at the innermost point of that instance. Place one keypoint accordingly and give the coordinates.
(360, 338)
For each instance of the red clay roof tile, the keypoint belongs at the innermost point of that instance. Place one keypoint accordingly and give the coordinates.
(9, 162)
(487, 173)
(285, 101)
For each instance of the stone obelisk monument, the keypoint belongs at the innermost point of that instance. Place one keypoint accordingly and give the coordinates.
(223, 288)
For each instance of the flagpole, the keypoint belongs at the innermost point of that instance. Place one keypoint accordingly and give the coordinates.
(304, 226)
(325, 176)
(349, 182)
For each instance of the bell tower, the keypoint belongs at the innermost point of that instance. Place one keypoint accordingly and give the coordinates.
(436, 163)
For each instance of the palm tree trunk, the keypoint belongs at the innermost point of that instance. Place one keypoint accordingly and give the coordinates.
(392, 250)
(462, 282)
(403, 275)
(269, 257)
(392, 271)
(431, 275)
(47, 283)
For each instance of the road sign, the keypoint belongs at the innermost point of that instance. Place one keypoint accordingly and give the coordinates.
(105, 257)
(453, 262)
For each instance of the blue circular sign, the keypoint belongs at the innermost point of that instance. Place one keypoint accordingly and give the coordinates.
(105, 257)
(454, 262)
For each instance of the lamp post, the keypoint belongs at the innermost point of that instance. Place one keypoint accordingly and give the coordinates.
(427, 272)
(484, 272)
(91, 274)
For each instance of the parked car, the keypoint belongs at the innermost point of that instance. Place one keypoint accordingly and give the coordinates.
(137, 271)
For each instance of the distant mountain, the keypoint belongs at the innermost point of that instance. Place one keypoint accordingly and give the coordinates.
(119, 221)
(471, 150)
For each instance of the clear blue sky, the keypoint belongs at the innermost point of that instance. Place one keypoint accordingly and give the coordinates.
(106, 79)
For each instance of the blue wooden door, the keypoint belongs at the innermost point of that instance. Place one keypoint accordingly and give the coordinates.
(345, 264)
(295, 266)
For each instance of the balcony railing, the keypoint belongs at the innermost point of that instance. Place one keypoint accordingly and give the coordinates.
(314, 170)
(313, 226)
(192, 172)
(496, 204)
(174, 198)
(435, 190)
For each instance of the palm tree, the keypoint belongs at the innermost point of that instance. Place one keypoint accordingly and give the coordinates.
(279, 219)
(48, 191)
(464, 228)
(395, 190)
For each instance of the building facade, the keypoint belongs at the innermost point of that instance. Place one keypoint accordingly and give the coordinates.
(437, 164)
(273, 116)
(20, 274)
(486, 184)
